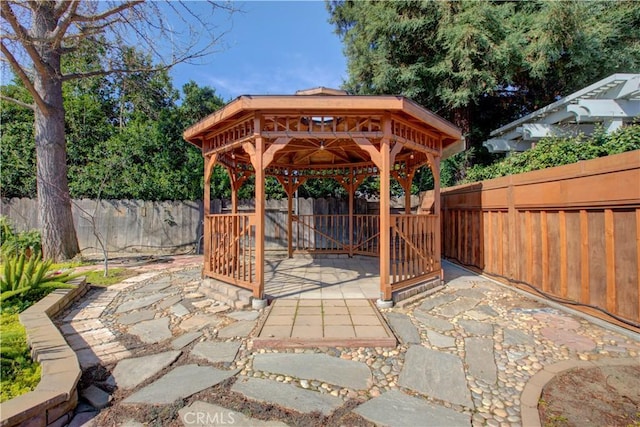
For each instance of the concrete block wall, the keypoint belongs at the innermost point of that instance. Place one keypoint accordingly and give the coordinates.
(56, 396)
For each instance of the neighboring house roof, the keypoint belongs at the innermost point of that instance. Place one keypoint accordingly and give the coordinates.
(612, 102)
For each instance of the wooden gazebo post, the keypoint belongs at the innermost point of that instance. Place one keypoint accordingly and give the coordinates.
(385, 213)
(258, 291)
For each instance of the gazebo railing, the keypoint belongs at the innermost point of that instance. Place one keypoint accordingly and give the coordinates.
(412, 251)
(321, 233)
(232, 244)
(366, 230)
(330, 234)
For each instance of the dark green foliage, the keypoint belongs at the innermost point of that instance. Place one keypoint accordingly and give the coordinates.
(17, 150)
(550, 152)
(483, 64)
(17, 243)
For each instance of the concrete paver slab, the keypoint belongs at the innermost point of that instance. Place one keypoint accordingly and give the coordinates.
(515, 337)
(169, 301)
(137, 303)
(241, 328)
(480, 360)
(97, 397)
(244, 315)
(129, 373)
(286, 395)
(436, 300)
(457, 306)
(179, 310)
(136, 317)
(432, 322)
(180, 383)
(321, 367)
(199, 321)
(395, 408)
(216, 352)
(437, 339)
(404, 328)
(473, 327)
(152, 331)
(436, 374)
(185, 339)
(155, 286)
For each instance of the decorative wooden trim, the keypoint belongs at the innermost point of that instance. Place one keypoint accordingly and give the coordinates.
(376, 156)
(276, 146)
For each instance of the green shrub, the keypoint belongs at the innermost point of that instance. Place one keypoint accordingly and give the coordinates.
(30, 278)
(551, 152)
(14, 244)
(18, 372)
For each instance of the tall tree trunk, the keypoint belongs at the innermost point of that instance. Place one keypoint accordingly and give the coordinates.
(59, 239)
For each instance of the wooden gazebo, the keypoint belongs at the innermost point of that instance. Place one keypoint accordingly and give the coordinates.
(324, 133)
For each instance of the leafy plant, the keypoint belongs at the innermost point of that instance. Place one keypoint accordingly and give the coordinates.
(550, 152)
(18, 372)
(21, 276)
(18, 243)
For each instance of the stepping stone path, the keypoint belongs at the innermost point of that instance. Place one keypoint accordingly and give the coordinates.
(185, 339)
(404, 329)
(332, 370)
(180, 383)
(129, 373)
(397, 408)
(237, 329)
(435, 374)
(216, 352)
(152, 331)
(286, 395)
(468, 351)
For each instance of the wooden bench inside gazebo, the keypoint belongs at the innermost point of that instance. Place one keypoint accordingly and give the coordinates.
(324, 133)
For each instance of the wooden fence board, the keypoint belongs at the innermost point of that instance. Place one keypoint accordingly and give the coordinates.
(571, 231)
(597, 260)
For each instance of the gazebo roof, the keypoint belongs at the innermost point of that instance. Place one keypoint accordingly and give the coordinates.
(325, 103)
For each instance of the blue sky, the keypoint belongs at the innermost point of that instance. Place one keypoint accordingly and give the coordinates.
(271, 48)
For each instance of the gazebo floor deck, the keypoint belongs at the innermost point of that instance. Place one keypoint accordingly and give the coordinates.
(322, 277)
(299, 323)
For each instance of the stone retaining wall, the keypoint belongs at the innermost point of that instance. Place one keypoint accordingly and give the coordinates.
(54, 399)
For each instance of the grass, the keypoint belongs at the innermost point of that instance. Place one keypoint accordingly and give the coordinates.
(18, 372)
(116, 275)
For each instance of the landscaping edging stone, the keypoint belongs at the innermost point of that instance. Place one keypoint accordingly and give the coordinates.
(54, 399)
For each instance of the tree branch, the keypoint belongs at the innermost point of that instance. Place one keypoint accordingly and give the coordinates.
(73, 76)
(65, 22)
(18, 102)
(106, 14)
(61, 7)
(15, 65)
(23, 36)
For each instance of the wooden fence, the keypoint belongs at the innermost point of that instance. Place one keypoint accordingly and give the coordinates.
(571, 231)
